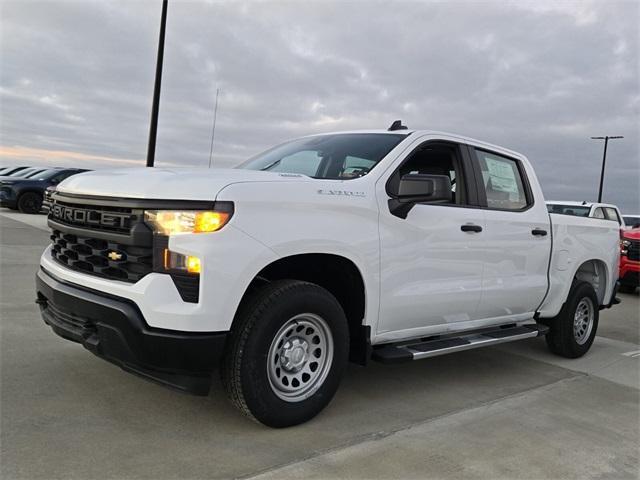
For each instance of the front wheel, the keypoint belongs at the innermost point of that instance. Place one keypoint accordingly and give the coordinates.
(573, 330)
(287, 353)
(30, 202)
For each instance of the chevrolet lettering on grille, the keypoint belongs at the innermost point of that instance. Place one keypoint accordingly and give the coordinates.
(83, 216)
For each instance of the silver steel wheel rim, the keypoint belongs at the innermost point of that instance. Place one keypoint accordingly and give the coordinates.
(583, 321)
(300, 357)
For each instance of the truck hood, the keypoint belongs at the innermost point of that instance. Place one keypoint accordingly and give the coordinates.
(167, 183)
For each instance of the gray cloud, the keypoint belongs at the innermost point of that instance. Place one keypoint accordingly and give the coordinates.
(540, 78)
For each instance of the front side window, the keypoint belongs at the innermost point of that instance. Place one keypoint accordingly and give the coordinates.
(338, 156)
(46, 175)
(432, 158)
(503, 181)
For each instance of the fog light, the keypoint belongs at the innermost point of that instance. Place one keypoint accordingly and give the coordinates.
(193, 264)
(177, 261)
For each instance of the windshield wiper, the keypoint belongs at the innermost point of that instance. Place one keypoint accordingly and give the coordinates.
(271, 165)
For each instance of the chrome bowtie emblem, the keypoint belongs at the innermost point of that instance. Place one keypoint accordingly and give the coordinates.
(115, 256)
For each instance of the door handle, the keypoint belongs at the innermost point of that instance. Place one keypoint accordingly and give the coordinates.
(469, 227)
(539, 232)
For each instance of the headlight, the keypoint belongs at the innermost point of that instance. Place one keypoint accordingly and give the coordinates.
(176, 222)
(624, 246)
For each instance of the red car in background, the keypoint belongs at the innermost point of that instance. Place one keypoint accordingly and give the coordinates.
(630, 260)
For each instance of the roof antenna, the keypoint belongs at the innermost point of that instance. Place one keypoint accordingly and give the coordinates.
(213, 130)
(397, 125)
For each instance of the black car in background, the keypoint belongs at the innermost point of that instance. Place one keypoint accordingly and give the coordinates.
(10, 170)
(23, 173)
(26, 194)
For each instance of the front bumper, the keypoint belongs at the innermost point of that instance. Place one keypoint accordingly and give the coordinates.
(114, 329)
(7, 199)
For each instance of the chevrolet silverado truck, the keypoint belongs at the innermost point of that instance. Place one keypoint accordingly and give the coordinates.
(389, 245)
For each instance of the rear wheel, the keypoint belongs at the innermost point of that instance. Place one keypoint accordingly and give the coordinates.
(287, 353)
(572, 332)
(30, 202)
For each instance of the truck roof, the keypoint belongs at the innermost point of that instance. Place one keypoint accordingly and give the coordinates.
(580, 204)
(416, 132)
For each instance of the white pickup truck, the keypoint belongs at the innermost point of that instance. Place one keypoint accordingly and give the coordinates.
(389, 245)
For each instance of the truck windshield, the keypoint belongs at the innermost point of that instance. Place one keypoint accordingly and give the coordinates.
(574, 210)
(339, 156)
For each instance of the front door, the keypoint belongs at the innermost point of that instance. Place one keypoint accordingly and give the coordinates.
(431, 261)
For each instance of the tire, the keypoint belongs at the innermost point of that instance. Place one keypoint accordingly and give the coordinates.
(627, 288)
(279, 333)
(30, 202)
(572, 332)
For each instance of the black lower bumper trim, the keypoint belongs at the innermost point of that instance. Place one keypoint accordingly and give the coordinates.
(113, 328)
(631, 278)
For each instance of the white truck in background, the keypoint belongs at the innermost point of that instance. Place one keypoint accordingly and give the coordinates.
(388, 245)
(601, 211)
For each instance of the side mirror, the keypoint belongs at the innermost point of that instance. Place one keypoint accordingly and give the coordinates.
(419, 188)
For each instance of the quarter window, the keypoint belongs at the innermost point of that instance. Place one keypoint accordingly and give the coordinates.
(503, 183)
(612, 215)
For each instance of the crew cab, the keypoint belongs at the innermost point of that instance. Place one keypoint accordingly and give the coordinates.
(387, 245)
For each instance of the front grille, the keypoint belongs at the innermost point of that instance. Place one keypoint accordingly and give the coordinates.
(633, 252)
(95, 217)
(108, 238)
(128, 263)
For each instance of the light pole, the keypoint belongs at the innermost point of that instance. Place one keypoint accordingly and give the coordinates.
(604, 159)
(153, 128)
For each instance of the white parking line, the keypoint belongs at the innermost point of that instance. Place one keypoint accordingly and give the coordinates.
(632, 354)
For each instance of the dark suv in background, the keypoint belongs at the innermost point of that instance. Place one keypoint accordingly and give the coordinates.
(26, 194)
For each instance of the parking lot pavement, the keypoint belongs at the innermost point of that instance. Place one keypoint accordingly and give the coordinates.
(509, 412)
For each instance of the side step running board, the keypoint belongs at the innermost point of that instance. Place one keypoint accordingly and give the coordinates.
(397, 353)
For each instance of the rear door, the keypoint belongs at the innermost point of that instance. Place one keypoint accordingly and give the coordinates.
(517, 236)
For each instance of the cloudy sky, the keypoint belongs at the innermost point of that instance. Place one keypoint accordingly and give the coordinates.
(76, 80)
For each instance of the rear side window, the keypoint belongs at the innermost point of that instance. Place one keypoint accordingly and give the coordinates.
(599, 213)
(503, 182)
(569, 210)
